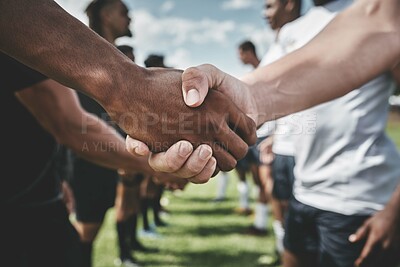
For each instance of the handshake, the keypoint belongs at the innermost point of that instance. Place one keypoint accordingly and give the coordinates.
(185, 128)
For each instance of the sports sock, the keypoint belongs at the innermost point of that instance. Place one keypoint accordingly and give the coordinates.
(222, 185)
(261, 216)
(124, 247)
(144, 204)
(279, 232)
(243, 189)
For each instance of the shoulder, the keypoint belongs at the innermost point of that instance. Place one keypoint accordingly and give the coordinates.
(299, 32)
(275, 51)
(315, 17)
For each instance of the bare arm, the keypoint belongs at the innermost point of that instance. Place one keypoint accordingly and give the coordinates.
(46, 38)
(359, 44)
(58, 110)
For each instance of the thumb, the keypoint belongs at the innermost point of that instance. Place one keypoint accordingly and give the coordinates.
(196, 81)
(136, 147)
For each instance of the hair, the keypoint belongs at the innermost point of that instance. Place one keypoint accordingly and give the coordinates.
(93, 11)
(248, 46)
(321, 2)
(154, 61)
(297, 3)
(125, 48)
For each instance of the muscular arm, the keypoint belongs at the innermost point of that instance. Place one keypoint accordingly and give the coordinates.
(356, 46)
(46, 38)
(58, 110)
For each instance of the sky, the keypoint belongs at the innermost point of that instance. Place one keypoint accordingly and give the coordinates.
(192, 32)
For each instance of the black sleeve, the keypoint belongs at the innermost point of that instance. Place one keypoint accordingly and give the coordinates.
(16, 76)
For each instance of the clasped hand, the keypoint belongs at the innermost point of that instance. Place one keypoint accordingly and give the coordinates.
(218, 131)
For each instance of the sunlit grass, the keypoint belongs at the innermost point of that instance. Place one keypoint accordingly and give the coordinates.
(200, 233)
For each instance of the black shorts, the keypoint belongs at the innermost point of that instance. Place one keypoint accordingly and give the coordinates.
(322, 237)
(252, 156)
(282, 173)
(39, 236)
(94, 190)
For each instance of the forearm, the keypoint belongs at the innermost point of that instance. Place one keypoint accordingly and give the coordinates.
(45, 37)
(101, 144)
(57, 110)
(355, 47)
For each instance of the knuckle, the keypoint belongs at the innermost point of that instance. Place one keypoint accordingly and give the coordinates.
(191, 72)
(193, 180)
(195, 168)
(204, 180)
(172, 165)
(242, 151)
(154, 164)
(201, 179)
(227, 166)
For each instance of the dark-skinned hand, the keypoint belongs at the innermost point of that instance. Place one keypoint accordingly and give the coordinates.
(381, 234)
(159, 117)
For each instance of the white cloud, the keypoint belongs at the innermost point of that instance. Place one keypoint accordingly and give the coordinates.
(167, 6)
(173, 36)
(75, 8)
(180, 58)
(238, 4)
(175, 31)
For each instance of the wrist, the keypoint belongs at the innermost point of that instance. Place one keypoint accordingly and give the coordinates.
(110, 84)
(139, 164)
(260, 103)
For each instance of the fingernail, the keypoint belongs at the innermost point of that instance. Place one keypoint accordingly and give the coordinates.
(192, 97)
(352, 238)
(204, 153)
(185, 149)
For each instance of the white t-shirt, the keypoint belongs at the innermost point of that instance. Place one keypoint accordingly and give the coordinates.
(347, 165)
(274, 53)
(282, 128)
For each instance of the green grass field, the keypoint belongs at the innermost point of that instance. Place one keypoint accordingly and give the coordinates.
(200, 233)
